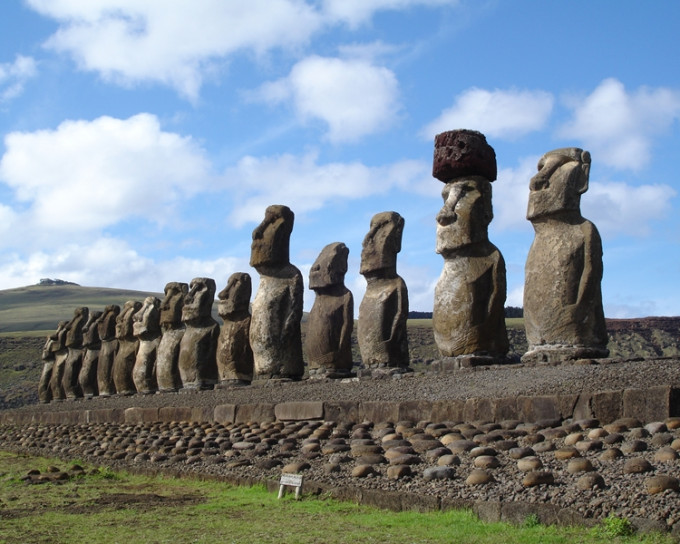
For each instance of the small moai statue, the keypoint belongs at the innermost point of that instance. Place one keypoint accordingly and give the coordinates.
(128, 344)
(48, 357)
(563, 313)
(147, 328)
(198, 348)
(328, 342)
(275, 334)
(87, 379)
(234, 355)
(172, 327)
(468, 317)
(74, 343)
(383, 312)
(60, 351)
(106, 325)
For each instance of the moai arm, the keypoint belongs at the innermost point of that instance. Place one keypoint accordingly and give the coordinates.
(347, 320)
(294, 315)
(591, 275)
(498, 294)
(401, 310)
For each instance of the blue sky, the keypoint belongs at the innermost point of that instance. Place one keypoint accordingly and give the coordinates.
(140, 141)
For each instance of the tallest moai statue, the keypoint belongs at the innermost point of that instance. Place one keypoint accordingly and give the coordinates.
(563, 313)
(468, 315)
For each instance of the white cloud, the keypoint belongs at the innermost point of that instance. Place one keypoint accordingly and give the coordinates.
(352, 96)
(505, 114)
(356, 12)
(13, 76)
(304, 185)
(87, 175)
(618, 127)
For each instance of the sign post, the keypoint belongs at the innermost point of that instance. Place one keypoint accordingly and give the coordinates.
(290, 480)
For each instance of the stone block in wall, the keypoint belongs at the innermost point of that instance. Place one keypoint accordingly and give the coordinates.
(415, 410)
(378, 412)
(387, 500)
(340, 411)
(141, 415)
(607, 406)
(447, 410)
(106, 415)
(489, 511)
(653, 404)
(538, 408)
(259, 413)
(225, 413)
(583, 408)
(174, 413)
(298, 411)
(201, 414)
(505, 408)
(478, 409)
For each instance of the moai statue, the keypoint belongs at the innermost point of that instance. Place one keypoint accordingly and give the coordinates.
(384, 309)
(328, 343)
(197, 350)
(468, 317)
(147, 328)
(234, 355)
(563, 313)
(74, 343)
(106, 325)
(275, 334)
(172, 327)
(87, 379)
(60, 351)
(128, 344)
(48, 357)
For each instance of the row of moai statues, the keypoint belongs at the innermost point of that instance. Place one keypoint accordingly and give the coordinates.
(175, 343)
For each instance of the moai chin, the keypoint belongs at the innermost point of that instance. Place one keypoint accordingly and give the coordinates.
(468, 317)
(328, 343)
(147, 328)
(172, 327)
(74, 343)
(563, 313)
(275, 335)
(198, 347)
(383, 312)
(234, 355)
(87, 378)
(126, 354)
(106, 325)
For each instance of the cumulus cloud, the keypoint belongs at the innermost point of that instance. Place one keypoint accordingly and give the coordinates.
(304, 185)
(87, 175)
(13, 76)
(505, 114)
(352, 97)
(618, 126)
(356, 12)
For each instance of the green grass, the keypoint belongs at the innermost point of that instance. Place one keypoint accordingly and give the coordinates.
(102, 507)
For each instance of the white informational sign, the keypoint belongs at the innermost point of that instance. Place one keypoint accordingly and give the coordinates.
(290, 480)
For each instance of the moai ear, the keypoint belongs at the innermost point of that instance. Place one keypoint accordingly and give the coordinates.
(585, 167)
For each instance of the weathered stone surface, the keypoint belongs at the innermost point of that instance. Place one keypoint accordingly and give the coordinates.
(298, 411)
(53, 344)
(141, 415)
(439, 473)
(275, 335)
(147, 329)
(126, 353)
(538, 477)
(224, 413)
(198, 347)
(563, 313)
(637, 465)
(87, 378)
(479, 476)
(107, 333)
(74, 343)
(459, 153)
(660, 483)
(590, 481)
(527, 464)
(468, 316)
(328, 340)
(234, 355)
(172, 327)
(383, 311)
(655, 403)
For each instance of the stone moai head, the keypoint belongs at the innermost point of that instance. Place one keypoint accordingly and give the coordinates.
(271, 238)
(108, 322)
(199, 300)
(467, 164)
(146, 321)
(235, 297)
(58, 337)
(381, 244)
(74, 336)
(330, 267)
(124, 321)
(91, 329)
(561, 180)
(173, 302)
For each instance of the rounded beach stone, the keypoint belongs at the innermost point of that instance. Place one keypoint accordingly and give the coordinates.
(661, 482)
(362, 471)
(461, 446)
(638, 433)
(590, 481)
(672, 423)
(527, 464)
(634, 446)
(665, 455)
(613, 438)
(567, 452)
(676, 444)
(588, 445)
(487, 461)
(439, 473)
(637, 465)
(399, 450)
(434, 454)
(538, 477)
(371, 459)
(599, 432)
(479, 476)
(610, 454)
(571, 439)
(396, 472)
(579, 464)
(518, 453)
(482, 450)
(294, 468)
(543, 447)
(330, 468)
(448, 460)
(662, 439)
(656, 427)
(406, 459)
(450, 437)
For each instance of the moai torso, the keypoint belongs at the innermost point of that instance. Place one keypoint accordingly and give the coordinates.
(198, 347)
(60, 351)
(328, 342)
(74, 343)
(147, 329)
(87, 379)
(126, 354)
(234, 355)
(275, 335)
(107, 353)
(172, 327)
